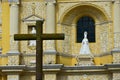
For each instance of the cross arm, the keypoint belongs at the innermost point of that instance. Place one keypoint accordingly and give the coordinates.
(25, 37)
(52, 36)
(43, 36)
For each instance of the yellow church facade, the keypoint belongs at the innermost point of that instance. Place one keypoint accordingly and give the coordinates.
(61, 58)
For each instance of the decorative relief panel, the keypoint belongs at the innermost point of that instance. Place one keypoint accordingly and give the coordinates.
(116, 76)
(28, 60)
(13, 60)
(116, 58)
(67, 41)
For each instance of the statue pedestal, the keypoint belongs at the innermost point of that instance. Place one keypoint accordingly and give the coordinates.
(84, 59)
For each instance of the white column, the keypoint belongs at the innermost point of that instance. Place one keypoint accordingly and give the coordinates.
(14, 15)
(116, 25)
(117, 16)
(50, 25)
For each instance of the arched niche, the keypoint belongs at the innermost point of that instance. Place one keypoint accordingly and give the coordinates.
(68, 22)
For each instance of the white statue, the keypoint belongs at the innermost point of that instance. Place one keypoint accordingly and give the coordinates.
(85, 45)
(32, 42)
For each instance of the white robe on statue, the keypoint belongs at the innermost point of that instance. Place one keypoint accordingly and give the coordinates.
(85, 45)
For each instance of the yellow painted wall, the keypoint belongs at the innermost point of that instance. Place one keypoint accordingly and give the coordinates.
(5, 27)
(69, 61)
(103, 60)
(74, 61)
(106, 59)
(4, 61)
(97, 61)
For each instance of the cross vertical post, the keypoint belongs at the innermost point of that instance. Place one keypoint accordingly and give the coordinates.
(39, 37)
(39, 50)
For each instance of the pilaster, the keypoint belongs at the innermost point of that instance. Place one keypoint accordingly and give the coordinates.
(50, 51)
(13, 54)
(50, 24)
(14, 15)
(116, 24)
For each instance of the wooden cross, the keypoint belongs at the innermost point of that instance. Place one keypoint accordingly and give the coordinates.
(39, 37)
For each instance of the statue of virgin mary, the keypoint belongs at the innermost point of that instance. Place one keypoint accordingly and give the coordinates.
(85, 45)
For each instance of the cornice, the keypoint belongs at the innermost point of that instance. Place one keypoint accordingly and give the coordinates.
(53, 68)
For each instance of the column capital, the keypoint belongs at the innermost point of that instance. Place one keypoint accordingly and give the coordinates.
(13, 4)
(117, 1)
(14, 1)
(50, 2)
